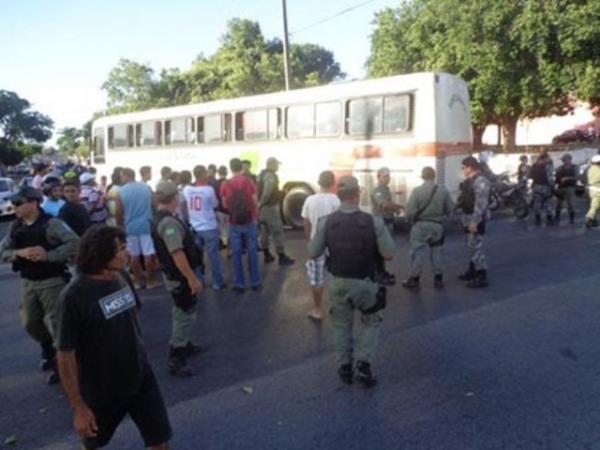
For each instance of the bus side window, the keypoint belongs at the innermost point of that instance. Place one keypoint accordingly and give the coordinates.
(111, 137)
(200, 130)
(130, 137)
(364, 116)
(167, 132)
(300, 121)
(190, 129)
(138, 134)
(227, 131)
(239, 126)
(396, 113)
(98, 144)
(274, 123)
(158, 133)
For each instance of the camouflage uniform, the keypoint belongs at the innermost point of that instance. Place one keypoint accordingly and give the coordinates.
(427, 231)
(542, 194)
(565, 190)
(474, 241)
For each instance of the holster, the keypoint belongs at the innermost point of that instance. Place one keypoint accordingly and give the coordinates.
(380, 302)
(183, 297)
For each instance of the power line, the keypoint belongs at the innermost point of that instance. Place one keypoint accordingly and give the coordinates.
(335, 16)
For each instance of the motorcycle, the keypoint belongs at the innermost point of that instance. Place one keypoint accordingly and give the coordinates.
(504, 194)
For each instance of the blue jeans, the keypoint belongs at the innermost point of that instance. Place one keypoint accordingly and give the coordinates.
(250, 232)
(209, 241)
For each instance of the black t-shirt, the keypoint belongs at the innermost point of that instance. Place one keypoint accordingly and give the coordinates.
(76, 216)
(99, 322)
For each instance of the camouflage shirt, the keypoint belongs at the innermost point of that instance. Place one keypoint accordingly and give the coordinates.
(481, 188)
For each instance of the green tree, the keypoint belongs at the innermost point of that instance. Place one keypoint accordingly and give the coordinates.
(511, 53)
(244, 64)
(21, 129)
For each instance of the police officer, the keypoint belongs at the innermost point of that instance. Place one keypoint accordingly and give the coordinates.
(566, 181)
(473, 201)
(178, 259)
(427, 207)
(523, 172)
(541, 174)
(383, 206)
(269, 216)
(354, 240)
(39, 247)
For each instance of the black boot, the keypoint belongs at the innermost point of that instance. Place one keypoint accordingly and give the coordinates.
(538, 219)
(469, 274)
(411, 283)
(438, 281)
(285, 260)
(192, 349)
(385, 278)
(549, 220)
(480, 280)
(365, 374)
(346, 373)
(48, 358)
(268, 257)
(571, 217)
(557, 217)
(53, 377)
(178, 362)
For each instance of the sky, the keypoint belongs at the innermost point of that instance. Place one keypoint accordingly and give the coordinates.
(57, 53)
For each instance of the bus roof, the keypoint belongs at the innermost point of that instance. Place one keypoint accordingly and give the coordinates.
(332, 91)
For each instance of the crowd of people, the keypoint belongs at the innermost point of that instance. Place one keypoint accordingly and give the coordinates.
(114, 237)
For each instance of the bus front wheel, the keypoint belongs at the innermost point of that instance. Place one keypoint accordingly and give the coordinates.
(292, 205)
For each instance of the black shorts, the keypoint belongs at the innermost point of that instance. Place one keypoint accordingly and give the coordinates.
(147, 410)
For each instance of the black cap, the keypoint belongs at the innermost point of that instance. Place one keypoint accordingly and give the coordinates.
(25, 193)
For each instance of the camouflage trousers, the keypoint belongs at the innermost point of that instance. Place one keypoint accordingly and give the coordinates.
(182, 326)
(40, 308)
(541, 200)
(346, 297)
(475, 251)
(565, 194)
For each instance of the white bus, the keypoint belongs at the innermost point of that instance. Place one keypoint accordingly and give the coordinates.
(402, 122)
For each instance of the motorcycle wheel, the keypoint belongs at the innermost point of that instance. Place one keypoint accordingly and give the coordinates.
(520, 207)
(494, 202)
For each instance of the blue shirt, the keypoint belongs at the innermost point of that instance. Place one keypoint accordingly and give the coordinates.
(136, 199)
(52, 207)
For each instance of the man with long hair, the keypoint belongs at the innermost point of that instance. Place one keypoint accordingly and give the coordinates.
(102, 361)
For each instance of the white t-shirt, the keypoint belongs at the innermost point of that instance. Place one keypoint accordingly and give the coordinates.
(317, 206)
(201, 204)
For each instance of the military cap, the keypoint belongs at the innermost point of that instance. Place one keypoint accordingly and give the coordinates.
(166, 189)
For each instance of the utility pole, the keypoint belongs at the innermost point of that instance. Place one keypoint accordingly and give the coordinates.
(286, 47)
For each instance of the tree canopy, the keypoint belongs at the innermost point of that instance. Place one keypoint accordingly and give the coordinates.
(521, 59)
(244, 64)
(22, 131)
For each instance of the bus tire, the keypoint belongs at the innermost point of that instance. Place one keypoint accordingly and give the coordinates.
(292, 205)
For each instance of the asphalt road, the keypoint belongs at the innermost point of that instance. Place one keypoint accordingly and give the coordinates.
(512, 366)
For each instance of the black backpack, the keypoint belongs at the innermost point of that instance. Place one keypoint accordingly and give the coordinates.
(239, 208)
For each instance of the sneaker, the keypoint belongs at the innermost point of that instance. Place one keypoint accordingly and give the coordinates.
(364, 374)
(52, 377)
(268, 257)
(411, 283)
(257, 287)
(285, 260)
(217, 287)
(346, 373)
(480, 281)
(386, 279)
(48, 358)
(238, 289)
(177, 363)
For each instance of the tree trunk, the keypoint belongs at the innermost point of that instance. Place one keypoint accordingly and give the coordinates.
(509, 133)
(478, 131)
